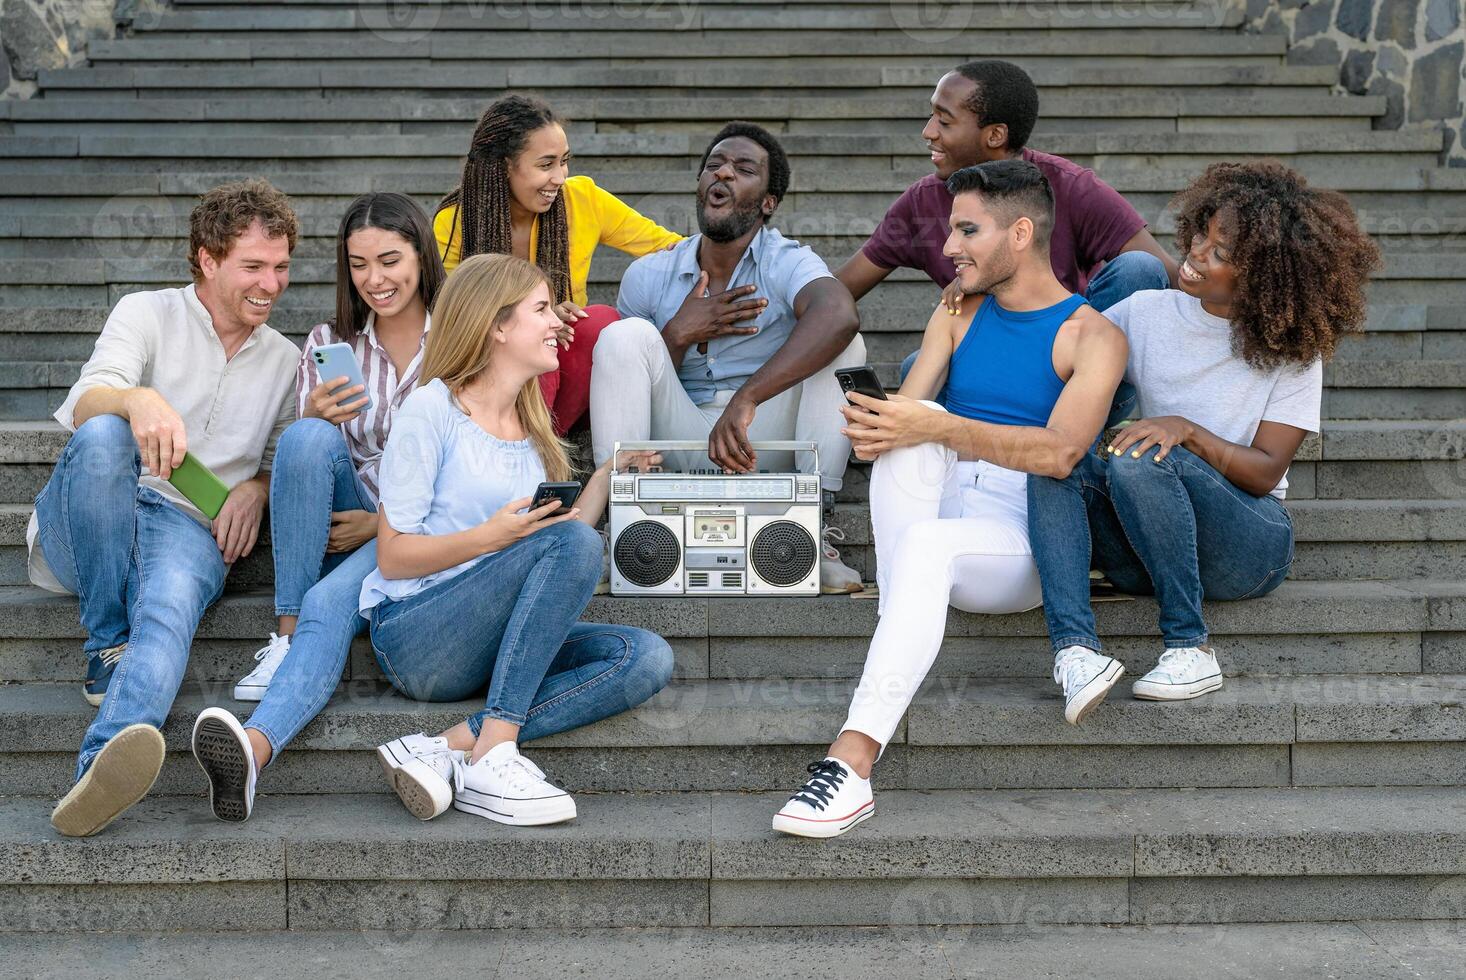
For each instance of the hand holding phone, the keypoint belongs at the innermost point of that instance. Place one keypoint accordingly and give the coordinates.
(862, 379)
(566, 493)
(342, 394)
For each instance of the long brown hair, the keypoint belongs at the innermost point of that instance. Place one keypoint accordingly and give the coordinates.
(479, 297)
(483, 195)
(402, 216)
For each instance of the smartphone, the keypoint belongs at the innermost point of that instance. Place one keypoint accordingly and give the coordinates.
(862, 379)
(199, 486)
(335, 360)
(546, 492)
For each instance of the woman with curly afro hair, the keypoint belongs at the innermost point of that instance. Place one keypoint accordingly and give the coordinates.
(1186, 504)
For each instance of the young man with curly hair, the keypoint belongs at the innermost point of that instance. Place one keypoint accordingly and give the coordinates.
(193, 371)
(1187, 503)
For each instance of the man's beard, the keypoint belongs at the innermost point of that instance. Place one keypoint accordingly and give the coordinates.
(738, 222)
(994, 274)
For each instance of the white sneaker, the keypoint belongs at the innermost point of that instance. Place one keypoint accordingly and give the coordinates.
(836, 577)
(253, 687)
(1087, 677)
(224, 754)
(506, 787)
(420, 771)
(1188, 672)
(830, 802)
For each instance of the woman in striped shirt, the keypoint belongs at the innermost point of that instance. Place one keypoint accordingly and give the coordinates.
(325, 483)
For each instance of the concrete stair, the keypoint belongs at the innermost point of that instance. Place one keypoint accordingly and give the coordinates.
(1322, 784)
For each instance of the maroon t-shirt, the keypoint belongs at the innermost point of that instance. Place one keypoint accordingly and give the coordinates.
(1091, 224)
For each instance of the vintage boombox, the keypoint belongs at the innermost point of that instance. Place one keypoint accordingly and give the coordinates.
(710, 533)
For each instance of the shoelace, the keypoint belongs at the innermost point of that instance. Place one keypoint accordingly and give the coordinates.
(111, 655)
(277, 644)
(1069, 671)
(837, 534)
(827, 775)
(444, 762)
(516, 769)
(1177, 661)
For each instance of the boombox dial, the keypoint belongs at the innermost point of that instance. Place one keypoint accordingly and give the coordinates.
(783, 553)
(647, 553)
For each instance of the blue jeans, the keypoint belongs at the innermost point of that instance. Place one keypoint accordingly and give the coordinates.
(143, 572)
(313, 475)
(510, 622)
(1176, 529)
(1126, 273)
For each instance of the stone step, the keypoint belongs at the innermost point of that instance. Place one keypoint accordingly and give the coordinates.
(1355, 460)
(638, 147)
(1109, 856)
(462, 114)
(1018, 948)
(755, 735)
(1419, 188)
(599, 18)
(1303, 627)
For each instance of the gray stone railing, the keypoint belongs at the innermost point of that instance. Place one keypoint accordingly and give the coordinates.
(1409, 51)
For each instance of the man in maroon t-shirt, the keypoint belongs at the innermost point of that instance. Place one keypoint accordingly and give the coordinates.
(985, 110)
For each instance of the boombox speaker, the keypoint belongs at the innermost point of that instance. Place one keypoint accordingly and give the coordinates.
(710, 533)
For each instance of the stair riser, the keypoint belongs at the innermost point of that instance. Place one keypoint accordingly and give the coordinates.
(405, 907)
(780, 768)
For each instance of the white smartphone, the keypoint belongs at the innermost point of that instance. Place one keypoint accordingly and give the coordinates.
(336, 360)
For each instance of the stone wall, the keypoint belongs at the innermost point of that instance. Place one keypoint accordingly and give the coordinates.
(39, 34)
(1410, 51)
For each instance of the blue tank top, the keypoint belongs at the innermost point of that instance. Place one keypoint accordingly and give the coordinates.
(1003, 371)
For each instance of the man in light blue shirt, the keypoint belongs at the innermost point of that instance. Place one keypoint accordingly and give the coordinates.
(733, 335)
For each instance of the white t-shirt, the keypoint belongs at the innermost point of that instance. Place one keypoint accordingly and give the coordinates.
(1182, 363)
(233, 408)
(441, 474)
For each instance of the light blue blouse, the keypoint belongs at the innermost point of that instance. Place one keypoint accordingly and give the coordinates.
(440, 474)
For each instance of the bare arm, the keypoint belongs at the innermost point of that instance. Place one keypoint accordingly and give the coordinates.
(1256, 469)
(1097, 354)
(860, 275)
(157, 428)
(1144, 241)
(401, 555)
(825, 324)
(934, 359)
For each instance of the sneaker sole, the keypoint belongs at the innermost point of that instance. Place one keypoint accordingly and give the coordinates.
(847, 590)
(1151, 691)
(249, 693)
(518, 814)
(1091, 699)
(217, 749)
(423, 799)
(807, 828)
(95, 700)
(120, 775)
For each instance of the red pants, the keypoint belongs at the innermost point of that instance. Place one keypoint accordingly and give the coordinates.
(567, 390)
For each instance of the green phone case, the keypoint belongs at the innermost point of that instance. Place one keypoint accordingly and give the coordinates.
(198, 483)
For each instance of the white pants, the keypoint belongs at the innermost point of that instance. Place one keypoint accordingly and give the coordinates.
(945, 532)
(636, 395)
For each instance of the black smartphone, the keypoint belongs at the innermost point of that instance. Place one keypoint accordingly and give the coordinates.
(566, 492)
(862, 379)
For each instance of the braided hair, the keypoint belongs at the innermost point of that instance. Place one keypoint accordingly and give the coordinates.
(483, 195)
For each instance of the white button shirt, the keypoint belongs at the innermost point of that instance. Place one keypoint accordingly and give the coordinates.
(233, 409)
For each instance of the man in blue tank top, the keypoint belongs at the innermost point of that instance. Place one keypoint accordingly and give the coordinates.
(1031, 370)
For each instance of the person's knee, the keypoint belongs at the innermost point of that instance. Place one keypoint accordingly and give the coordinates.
(624, 342)
(1128, 473)
(577, 543)
(651, 666)
(1138, 270)
(105, 437)
(853, 355)
(306, 440)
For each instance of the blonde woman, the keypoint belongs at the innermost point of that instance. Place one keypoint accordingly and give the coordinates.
(472, 589)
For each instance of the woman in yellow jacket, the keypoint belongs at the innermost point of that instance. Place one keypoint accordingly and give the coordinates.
(516, 197)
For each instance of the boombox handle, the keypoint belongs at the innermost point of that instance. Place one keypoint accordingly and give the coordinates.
(694, 445)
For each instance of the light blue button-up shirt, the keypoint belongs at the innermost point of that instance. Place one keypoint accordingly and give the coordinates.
(656, 285)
